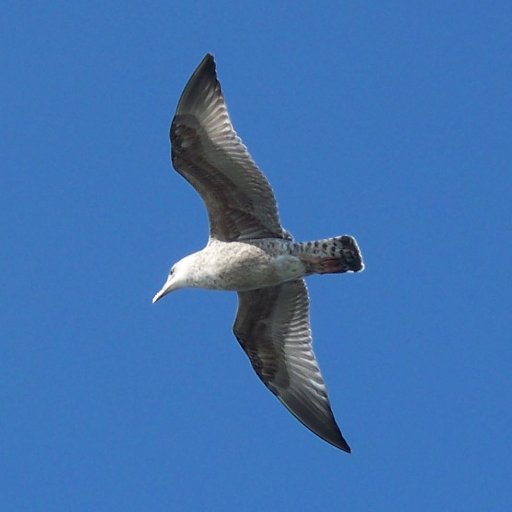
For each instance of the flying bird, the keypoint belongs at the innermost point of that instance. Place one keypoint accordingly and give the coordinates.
(248, 251)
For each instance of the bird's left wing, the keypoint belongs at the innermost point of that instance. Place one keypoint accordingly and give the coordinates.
(272, 326)
(208, 153)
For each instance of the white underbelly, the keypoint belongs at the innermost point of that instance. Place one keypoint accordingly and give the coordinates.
(249, 267)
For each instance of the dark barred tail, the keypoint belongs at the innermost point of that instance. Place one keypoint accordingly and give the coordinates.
(332, 255)
(350, 253)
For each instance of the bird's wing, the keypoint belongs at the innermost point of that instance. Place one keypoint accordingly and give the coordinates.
(272, 326)
(208, 153)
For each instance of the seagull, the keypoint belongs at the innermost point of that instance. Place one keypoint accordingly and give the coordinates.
(248, 251)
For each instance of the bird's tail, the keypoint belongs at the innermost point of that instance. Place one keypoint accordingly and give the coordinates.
(331, 255)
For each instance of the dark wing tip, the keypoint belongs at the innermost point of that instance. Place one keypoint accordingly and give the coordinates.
(206, 65)
(326, 430)
(203, 79)
(336, 439)
(343, 445)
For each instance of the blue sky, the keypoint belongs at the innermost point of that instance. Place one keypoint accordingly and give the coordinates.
(388, 121)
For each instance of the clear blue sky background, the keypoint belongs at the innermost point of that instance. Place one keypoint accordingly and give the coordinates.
(390, 121)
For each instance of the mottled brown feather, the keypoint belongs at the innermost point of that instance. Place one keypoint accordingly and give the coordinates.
(208, 153)
(272, 326)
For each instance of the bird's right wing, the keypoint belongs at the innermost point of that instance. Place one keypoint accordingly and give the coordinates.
(272, 326)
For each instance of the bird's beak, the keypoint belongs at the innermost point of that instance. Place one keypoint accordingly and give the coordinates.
(166, 288)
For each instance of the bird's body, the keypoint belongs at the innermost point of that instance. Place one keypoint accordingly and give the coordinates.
(224, 265)
(249, 252)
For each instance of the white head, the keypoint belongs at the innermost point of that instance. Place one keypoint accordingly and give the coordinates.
(179, 277)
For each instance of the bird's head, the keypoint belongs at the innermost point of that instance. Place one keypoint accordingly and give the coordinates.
(178, 278)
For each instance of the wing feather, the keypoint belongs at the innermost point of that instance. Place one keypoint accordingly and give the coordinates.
(208, 153)
(272, 326)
